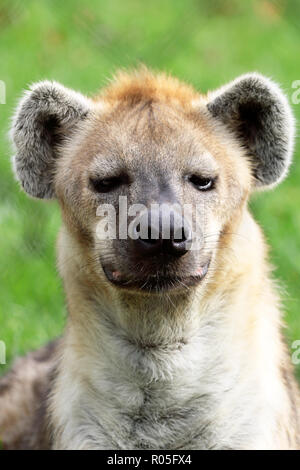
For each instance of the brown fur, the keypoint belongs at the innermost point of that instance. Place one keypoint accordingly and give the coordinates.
(144, 85)
(154, 126)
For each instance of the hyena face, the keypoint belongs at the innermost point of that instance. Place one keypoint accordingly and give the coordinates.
(167, 183)
(166, 169)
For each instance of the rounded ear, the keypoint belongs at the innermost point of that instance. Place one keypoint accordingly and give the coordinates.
(257, 112)
(47, 115)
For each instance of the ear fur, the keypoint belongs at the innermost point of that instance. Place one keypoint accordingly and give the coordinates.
(257, 112)
(47, 114)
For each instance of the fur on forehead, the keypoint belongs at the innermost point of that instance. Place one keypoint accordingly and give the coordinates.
(145, 85)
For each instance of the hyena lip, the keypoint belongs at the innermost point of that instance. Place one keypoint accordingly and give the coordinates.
(156, 283)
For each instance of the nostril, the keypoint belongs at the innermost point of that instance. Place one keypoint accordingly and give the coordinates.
(181, 234)
(179, 238)
(148, 246)
(147, 240)
(149, 237)
(179, 243)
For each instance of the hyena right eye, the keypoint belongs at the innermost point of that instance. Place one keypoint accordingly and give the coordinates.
(105, 185)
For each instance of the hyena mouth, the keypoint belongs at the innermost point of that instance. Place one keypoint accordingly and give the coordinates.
(155, 283)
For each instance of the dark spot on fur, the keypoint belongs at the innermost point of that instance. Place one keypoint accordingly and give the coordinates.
(45, 353)
(5, 385)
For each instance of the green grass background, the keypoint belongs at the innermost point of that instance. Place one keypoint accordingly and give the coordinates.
(81, 44)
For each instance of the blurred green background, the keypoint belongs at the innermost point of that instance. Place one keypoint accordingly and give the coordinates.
(81, 44)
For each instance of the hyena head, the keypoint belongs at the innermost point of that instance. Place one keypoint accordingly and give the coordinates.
(168, 170)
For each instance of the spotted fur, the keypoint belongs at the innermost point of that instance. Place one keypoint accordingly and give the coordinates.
(24, 392)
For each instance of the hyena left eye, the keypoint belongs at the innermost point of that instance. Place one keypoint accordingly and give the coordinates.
(202, 183)
(106, 185)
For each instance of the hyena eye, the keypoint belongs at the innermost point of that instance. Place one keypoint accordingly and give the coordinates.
(202, 183)
(106, 185)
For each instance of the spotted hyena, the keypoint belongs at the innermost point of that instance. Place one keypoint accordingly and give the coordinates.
(167, 346)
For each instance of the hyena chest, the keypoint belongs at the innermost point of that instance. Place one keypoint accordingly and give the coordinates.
(162, 425)
(161, 421)
(168, 408)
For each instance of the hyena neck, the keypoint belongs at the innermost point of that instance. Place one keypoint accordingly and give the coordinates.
(147, 325)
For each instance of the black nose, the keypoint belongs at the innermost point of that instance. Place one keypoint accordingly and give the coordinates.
(162, 231)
